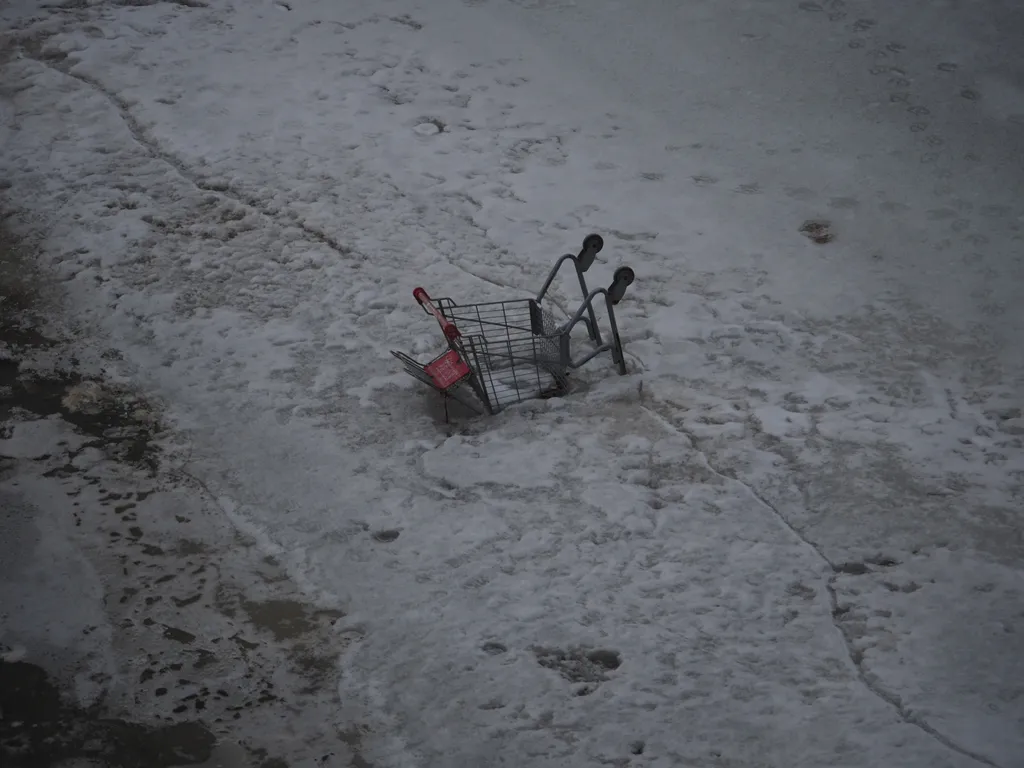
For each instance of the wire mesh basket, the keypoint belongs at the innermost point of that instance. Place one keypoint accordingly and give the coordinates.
(500, 353)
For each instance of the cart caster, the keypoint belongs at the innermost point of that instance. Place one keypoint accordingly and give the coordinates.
(592, 245)
(621, 280)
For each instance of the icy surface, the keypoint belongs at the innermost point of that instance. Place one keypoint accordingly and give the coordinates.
(791, 536)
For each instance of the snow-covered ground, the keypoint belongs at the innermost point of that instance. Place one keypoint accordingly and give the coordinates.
(792, 536)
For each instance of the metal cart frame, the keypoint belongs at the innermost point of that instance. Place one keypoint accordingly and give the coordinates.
(504, 352)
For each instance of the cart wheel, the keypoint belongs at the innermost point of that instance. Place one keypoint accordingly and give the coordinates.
(592, 245)
(621, 280)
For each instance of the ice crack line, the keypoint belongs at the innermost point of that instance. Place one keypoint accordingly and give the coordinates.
(893, 701)
(153, 149)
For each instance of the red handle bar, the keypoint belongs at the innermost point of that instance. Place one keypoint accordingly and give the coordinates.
(447, 326)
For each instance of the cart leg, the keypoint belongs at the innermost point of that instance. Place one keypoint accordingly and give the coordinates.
(618, 357)
(552, 273)
(581, 262)
(613, 294)
(592, 330)
(475, 381)
(592, 245)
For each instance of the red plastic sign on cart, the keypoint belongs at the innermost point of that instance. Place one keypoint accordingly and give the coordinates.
(447, 370)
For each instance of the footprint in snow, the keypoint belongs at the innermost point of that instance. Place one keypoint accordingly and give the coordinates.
(428, 128)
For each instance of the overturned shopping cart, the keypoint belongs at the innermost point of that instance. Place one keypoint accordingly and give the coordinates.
(503, 352)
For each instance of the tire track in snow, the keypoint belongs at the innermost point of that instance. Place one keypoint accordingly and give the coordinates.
(153, 148)
(892, 700)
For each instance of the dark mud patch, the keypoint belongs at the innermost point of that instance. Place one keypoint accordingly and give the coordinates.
(319, 671)
(121, 422)
(18, 298)
(213, 643)
(819, 232)
(39, 729)
(286, 619)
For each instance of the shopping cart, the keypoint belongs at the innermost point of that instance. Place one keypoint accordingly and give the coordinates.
(503, 352)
